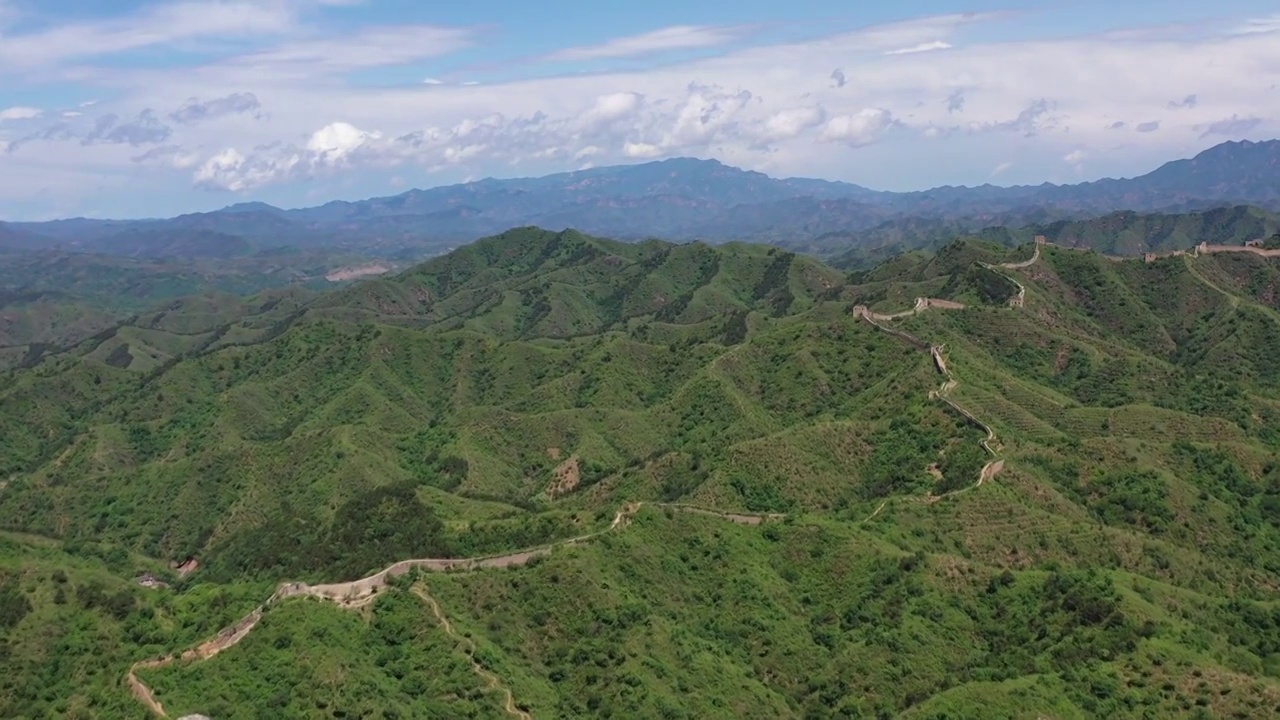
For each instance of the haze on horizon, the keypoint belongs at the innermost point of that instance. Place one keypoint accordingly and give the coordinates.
(138, 108)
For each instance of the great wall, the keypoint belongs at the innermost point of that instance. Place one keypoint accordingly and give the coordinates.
(359, 593)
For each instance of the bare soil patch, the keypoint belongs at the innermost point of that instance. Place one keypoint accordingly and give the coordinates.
(565, 478)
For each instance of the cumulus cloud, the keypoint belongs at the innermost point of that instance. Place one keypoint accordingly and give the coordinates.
(194, 111)
(789, 124)
(793, 108)
(1075, 158)
(679, 37)
(625, 121)
(615, 106)
(643, 151)
(861, 128)
(335, 141)
(223, 172)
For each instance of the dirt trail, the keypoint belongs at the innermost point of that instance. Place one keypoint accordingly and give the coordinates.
(359, 593)
(139, 689)
(494, 682)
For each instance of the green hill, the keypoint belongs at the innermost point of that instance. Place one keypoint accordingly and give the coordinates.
(1123, 233)
(784, 508)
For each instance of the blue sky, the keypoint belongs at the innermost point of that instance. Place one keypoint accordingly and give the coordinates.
(132, 108)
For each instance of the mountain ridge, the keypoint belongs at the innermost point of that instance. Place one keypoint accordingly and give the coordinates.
(691, 199)
(528, 388)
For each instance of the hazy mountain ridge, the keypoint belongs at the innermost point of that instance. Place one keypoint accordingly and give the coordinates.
(680, 199)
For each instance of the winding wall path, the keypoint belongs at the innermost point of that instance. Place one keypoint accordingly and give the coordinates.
(358, 593)
(949, 383)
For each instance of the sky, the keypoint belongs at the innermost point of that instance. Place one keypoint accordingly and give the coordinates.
(138, 108)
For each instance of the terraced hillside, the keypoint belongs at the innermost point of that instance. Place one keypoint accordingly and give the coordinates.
(1067, 508)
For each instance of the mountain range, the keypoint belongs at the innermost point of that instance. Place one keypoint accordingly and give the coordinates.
(678, 199)
(690, 481)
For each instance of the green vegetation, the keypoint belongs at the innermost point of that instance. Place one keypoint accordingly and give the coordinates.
(308, 660)
(519, 391)
(1122, 234)
(50, 301)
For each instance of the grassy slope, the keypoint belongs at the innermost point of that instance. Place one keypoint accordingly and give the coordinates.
(1123, 563)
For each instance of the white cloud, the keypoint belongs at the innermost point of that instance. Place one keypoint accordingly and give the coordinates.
(1075, 158)
(641, 150)
(232, 171)
(368, 48)
(679, 37)
(160, 25)
(20, 113)
(1001, 169)
(787, 124)
(779, 108)
(220, 171)
(432, 81)
(171, 156)
(615, 105)
(336, 141)
(922, 47)
(1260, 25)
(861, 128)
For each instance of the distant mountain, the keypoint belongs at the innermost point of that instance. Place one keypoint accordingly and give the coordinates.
(687, 199)
(15, 238)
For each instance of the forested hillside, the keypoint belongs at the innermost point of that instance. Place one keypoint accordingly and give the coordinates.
(1029, 482)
